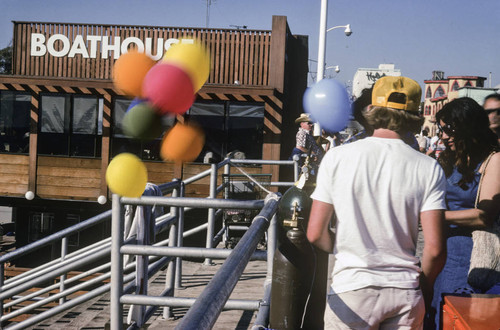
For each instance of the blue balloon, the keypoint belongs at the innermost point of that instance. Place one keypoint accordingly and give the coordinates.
(135, 102)
(328, 104)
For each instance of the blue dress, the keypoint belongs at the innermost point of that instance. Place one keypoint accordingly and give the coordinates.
(453, 277)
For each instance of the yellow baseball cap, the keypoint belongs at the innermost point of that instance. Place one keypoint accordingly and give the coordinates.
(387, 93)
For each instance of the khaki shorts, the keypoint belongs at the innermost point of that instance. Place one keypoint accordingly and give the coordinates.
(375, 308)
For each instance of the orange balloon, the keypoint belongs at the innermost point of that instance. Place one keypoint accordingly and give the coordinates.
(129, 72)
(182, 143)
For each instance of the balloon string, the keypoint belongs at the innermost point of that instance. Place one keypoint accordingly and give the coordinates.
(252, 179)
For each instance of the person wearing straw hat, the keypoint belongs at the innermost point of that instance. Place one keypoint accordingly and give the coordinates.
(304, 141)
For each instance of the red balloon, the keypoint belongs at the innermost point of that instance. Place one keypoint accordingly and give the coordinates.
(168, 88)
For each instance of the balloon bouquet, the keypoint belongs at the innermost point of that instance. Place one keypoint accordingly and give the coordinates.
(166, 88)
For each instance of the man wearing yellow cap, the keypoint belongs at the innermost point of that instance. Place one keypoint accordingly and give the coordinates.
(378, 189)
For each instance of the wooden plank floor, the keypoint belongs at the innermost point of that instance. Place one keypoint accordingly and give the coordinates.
(95, 313)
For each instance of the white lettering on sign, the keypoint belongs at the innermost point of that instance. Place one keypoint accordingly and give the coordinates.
(59, 45)
(78, 47)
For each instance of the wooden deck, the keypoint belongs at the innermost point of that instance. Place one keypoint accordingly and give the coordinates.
(94, 314)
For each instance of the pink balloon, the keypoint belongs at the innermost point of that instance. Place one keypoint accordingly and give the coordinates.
(168, 88)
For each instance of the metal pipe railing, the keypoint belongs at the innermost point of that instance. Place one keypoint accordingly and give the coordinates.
(208, 306)
(195, 202)
(41, 271)
(55, 261)
(54, 286)
(262, 318)
(186, 252)
(116, 262)
(55, 237)
(67, 262)
(211, 212)
(242, 304)
(67, 292)
(85, 297)
(52, 274)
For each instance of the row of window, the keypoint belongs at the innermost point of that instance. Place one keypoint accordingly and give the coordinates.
(71, 125)
(431, 110)
(441, 92)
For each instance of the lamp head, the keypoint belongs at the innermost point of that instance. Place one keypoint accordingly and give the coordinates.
(348, 30)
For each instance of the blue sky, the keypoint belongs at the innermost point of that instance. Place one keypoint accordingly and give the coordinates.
(459, 37)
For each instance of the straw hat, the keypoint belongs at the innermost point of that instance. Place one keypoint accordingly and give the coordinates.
(303, 117)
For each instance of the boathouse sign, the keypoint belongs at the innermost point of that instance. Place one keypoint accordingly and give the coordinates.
(89, 46)
(88, 51)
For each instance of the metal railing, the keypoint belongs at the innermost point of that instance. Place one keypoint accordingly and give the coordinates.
(56, 270)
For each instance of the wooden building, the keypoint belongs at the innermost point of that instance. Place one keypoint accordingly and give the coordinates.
(60, 113)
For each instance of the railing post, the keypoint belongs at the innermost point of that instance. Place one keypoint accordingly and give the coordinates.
(172, 241)
(296, 169)
(211, 211)
(2, 272)
(227, 172)
(180, 231)
(64, 252)
(272, 243)
(116, 312)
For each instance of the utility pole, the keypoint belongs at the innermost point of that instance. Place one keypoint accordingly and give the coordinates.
(209, 3)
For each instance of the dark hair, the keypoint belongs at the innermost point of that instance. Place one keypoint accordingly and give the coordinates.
(473, 139)
(494, 96)
(359, 104)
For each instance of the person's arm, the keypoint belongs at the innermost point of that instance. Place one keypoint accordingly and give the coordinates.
(300, 141)
(434, 252)
(488, 206)
(318, 231)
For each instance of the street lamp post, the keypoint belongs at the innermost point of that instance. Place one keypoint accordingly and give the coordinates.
(322, 47)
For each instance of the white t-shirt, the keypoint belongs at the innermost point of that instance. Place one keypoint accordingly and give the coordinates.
(378, 188)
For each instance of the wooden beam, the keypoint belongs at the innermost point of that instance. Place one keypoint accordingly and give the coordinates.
(278, 52)
(33, 143)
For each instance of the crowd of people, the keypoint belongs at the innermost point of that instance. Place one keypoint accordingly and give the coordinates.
(375, 192)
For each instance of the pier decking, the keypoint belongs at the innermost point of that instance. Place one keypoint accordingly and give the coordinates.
(95, 313)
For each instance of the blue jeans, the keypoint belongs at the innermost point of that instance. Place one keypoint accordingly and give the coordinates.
(453, 277)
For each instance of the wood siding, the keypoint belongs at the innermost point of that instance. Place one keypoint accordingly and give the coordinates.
(236, 55)
(13, 174)
(68, 178)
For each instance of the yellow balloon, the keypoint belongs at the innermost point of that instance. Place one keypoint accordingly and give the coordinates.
(192, 58)
(127, 175)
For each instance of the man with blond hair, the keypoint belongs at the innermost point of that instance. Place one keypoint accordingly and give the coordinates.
(379, 188)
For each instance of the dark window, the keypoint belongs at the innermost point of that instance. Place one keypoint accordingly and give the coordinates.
(428, 94)
(40, 224)
(71, 220)
(468, 84)
(230, 127)
(246, 127)
(439, 92)
(14, 121)
(147, 150)
(70, 125)
(211, 117)
(455, 86)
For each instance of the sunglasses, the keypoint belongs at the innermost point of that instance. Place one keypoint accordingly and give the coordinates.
(489, 111)
(448, 129)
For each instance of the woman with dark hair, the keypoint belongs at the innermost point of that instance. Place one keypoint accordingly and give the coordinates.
(469, 143)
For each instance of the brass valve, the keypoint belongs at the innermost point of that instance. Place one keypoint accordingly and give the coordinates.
(294, 221)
